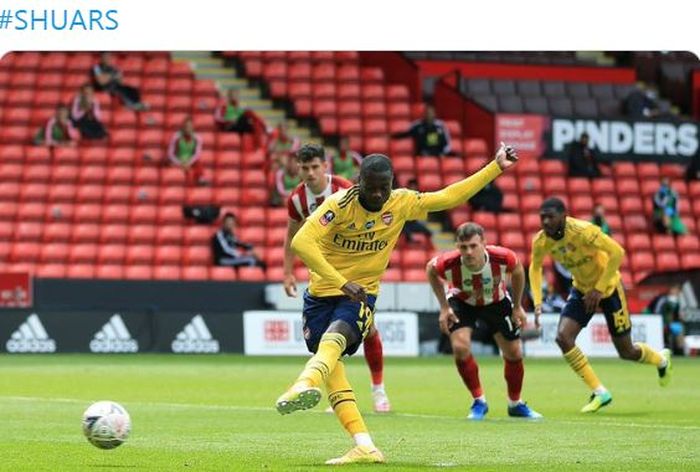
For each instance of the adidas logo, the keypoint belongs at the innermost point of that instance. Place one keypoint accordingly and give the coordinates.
(31, 337)
(195, 337)
(113, 337)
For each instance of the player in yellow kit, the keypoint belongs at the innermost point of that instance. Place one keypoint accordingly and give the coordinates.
(346, 244)
(594, 259)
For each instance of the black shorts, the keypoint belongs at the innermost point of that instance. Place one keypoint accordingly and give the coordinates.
(496, 316)
(614, 308)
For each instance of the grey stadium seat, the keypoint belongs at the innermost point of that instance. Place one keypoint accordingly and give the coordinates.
(479, 87)
(602, 91)
(487, 101)
(577, 89)
(529, 88)
(560, 106)
(609, 107)
(504, 87)
(510, 104)
(586, 107)
(536, 105)
(553, 88)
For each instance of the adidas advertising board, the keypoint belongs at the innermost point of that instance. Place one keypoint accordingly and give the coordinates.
(195, 337)
(30, 336)
(114, 337)
(125, 332)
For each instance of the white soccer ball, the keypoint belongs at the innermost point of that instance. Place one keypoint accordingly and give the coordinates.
(106, 424)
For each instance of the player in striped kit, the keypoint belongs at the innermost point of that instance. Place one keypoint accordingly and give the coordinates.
(315, 187)
(477, 275)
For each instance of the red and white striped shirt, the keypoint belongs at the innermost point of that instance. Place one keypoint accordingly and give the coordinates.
(483, 287)
(302, 201)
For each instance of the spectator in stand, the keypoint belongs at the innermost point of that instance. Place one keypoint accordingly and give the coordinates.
(412, 227)
(641, 104)
(185, 150)
(346, 163)
(280, 145)
(489, 198)
(430, 136)
(668, 305)
(231, 116)
(58, 130)
(106, 77)
(598, 219)
(286, 180)
(227, 250)
(86, 114)
(582, 159)
(666, 217)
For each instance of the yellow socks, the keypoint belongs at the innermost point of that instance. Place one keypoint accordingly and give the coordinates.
(319, 367)
(342, 399)
(579, 363)
(650, 356)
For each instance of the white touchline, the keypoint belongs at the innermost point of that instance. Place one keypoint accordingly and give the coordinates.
(393, 415)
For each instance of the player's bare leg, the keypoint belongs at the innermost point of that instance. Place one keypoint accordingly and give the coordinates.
(374, 356)
(642, 352)
(461, 340)
(567, 332)
(513, 372)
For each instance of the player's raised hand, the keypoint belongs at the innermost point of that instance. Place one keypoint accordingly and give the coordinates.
(446, 319)
(506, 156)
(355, 291)
(290, 285)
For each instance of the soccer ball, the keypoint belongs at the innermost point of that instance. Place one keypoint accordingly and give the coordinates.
(106, 424)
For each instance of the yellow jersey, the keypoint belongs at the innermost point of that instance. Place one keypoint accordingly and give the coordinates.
(592, 257)
(341, 241)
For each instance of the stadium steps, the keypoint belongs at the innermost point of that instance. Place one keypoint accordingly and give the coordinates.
(443, 240)
(207, 67)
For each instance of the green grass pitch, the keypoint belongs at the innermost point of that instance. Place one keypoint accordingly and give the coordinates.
(217, 413)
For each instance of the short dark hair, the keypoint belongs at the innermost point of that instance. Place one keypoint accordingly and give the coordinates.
(229, 214)
(311, 151)
(553, 203)
(376, 164)
(468, 230)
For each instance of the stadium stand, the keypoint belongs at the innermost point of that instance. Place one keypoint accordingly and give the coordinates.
(106, 210)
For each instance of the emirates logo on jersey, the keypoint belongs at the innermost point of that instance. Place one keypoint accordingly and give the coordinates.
(387, 218)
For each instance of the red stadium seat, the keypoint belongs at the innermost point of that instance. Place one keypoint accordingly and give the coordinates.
(109, 271)
(251, 274)
(167, 272)
(690, 261)
(139, 254)
(226, 274)
(667, 261)
(168, 255)
(80, 271)
(197, 256)
(642, 261)
(138, 272)
(110, 254)
(513, 240)
(509, 222)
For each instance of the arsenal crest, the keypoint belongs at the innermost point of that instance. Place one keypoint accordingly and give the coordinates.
(387, 218)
